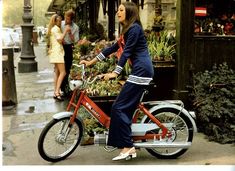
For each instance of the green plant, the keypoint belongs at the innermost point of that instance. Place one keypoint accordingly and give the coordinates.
(83, 47)
(91, 125)
(161, 46)
(213, 96)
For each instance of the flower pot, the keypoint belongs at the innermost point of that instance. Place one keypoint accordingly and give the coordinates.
(163, 63)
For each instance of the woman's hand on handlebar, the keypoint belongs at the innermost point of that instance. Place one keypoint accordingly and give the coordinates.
(88, 63)
(109, 76)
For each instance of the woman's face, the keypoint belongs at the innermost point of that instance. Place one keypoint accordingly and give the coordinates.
(58, 21)
(121, 13)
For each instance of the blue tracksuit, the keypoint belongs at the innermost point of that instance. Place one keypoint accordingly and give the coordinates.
(136, 50)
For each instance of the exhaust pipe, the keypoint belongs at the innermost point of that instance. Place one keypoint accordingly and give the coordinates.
(163, 145)
(101, 139)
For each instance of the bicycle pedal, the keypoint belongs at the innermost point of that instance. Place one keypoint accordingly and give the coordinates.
(110, 148)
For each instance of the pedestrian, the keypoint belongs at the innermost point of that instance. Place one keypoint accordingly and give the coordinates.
(56, 52)
(40, 34)
(136, 51)
(70, 39)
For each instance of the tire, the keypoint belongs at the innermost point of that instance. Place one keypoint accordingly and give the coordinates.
(51, 144)
(182, 131)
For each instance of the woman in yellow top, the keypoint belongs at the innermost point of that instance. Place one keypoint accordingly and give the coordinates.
(56, 51)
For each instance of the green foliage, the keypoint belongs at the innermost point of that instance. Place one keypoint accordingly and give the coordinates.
(161, 47)
(92, 34)
(214, 102)
(101, 87)
(83, 47)
(91, 125)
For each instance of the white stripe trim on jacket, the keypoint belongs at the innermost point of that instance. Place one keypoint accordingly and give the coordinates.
(139, 80)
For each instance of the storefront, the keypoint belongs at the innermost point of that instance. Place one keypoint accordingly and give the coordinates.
(205, 36)
(214, 17)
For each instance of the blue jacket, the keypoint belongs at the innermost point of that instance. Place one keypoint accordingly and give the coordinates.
(136, 50)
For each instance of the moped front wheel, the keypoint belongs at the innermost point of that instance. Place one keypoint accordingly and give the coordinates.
(59, 139)
(181, 131)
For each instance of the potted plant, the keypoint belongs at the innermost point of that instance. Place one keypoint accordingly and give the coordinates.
(161, 47)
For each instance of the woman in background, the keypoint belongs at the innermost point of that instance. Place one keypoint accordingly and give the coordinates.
(56, 52)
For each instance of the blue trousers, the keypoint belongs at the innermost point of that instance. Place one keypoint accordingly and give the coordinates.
(122, 113)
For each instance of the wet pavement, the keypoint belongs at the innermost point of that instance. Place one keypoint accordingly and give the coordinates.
(23, 124)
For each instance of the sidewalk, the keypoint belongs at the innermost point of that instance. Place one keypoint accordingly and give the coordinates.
(23, 124)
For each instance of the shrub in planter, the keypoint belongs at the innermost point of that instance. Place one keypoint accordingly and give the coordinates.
(91, 125)
(161, 47)
(213, 95)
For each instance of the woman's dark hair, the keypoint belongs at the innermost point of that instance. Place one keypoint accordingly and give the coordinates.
(132, 16)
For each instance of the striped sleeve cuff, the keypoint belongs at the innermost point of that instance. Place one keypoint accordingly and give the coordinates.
(118, 69)
(100, 57)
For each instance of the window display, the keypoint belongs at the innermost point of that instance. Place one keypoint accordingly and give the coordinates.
(214, 17)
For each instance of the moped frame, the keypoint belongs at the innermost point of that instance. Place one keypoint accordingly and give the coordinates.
(104, 119)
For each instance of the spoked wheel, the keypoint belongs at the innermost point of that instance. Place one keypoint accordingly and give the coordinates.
(58, 139)
(181, 130)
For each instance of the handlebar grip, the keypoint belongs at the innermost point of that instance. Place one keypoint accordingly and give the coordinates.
(80, 65)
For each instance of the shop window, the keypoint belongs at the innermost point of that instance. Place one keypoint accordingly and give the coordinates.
(214, 17)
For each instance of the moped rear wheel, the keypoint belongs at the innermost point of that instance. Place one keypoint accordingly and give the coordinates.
(181, 132)
(59, 139)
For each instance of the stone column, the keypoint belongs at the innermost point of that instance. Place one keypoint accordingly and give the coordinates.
(27, 61)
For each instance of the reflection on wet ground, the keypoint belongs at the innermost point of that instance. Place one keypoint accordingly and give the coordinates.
(35, 104)
(30, 126)
(34, 107)
(38, 106)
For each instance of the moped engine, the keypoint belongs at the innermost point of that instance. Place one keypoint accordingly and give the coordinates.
(101, 139)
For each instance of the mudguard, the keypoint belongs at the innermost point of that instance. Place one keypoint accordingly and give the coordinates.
(62, 115)
(173, 106)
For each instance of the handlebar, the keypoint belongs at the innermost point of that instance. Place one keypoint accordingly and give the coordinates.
(88, 80)
(83, 69)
